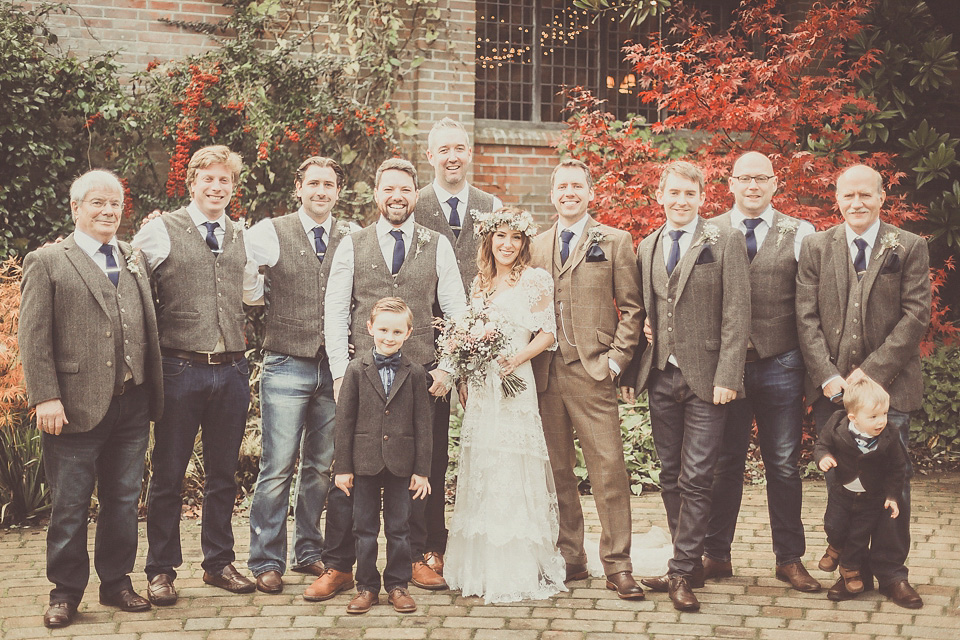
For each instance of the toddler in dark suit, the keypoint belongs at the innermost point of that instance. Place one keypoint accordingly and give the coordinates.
(383, 446)
(870, 466)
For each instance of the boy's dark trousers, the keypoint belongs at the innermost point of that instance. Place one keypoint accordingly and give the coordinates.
(396, 526)
(850, 520)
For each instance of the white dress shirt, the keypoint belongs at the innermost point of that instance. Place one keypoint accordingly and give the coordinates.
(154, 240)
(870, 236)
(339, 294)
(463, 197)
(760, 232)
(91, 247)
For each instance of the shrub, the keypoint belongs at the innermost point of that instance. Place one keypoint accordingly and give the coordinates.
(935, 425)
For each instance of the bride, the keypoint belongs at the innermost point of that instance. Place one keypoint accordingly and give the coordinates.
(504, 528)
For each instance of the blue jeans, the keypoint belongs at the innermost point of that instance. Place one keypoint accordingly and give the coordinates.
(110, 455)
(212, 399)
(296, 396)
(774, 396)
(396, 528)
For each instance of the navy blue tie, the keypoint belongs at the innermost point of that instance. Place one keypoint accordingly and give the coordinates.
(454, 216)
(674, 256)
(211, 237)
(565, 236)
(860, 262)
(112, 271)
(751, 224)
(398, 251)
(321, 246)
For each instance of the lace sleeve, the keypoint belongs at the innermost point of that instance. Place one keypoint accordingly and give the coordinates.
(538, 285)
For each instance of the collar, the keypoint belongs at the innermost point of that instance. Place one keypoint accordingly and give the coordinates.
(443, 195)
(309, 223)
(577, 227)
(870, 235)
(198, 218)
(384, 227)
(91, 245)
(737, 217)
(690, 227)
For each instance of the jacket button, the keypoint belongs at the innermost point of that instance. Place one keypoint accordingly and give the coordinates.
(109, 334)
(386, 437)
(387, 412)
(109, 363)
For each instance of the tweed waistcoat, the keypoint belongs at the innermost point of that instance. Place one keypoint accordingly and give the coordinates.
(665, 294)
(851, 352)
(294, 288)
(563, 310)
(200, 295)
(128, 328)
(415, 283)
(429, 214)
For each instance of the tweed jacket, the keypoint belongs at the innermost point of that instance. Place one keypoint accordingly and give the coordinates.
(65, 334)
(606, 313)
(894, 311)
(375, 432)
(881, 471)
(711, 310)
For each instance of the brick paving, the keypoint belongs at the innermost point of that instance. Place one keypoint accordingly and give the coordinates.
(752, 605)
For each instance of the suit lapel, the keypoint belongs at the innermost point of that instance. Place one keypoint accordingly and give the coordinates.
(873, 269)
(646, 259)
(373, 374)
(143, 283)
(402, 372)
(841, 269)
(578, 252)
(689, 259)
(89, 272)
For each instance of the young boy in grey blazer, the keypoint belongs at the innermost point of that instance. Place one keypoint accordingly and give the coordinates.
(382, 447)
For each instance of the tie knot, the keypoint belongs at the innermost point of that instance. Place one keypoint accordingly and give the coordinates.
(752, 223)
(565, 235)
(676, 234)
(211, 226)
(397, 235)
(861, 243)
(318, 232)
(453, 202)
(106, 249)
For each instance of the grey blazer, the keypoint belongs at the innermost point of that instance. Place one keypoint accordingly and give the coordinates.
(712, 311)
(375, 432)
(62, 336)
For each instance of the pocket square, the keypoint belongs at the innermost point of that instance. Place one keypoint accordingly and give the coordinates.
(706, 256)
(891, 265)
(595, 254)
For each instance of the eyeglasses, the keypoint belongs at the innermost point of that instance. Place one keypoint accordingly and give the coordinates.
(749, 179)
(100, 205)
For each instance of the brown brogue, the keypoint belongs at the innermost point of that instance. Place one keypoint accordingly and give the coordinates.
(852, 581)
(625, 586)
(661, 584)
(830, 560)
(230, 580)
(330, 583)
(363, 601)
(313, 569)
(426, 578)
(270, 582)
(401, 600)
(434, 560)
(126, 600)
(59, 615)
(713, 569)
(576, 572)
(161, 591)
(902, 594)
(796, 574)
(681, 594)
(838, 592)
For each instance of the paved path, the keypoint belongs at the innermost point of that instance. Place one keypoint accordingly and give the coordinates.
(753, 604)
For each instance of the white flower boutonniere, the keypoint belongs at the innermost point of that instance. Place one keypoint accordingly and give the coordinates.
(423, 237)
(785, 226)
(889, 240)
(133, 263)
(710, 234)
(343, 229)
(237, 226)
(595, 236)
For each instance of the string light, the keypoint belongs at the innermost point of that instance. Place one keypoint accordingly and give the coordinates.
(564, 28)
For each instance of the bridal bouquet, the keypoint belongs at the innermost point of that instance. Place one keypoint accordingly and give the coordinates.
(471, 342)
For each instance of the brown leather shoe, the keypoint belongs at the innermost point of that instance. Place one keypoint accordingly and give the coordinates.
(59, 615)
(126, 600)
(363, 601)
(661, 584)
(231, 580)
(576, 572)
(330, 583)
(625, 586)
(270, 582)
(314, 568)
(402, 601)
(161, 591)
(796, 574)
(902, 594)
(713, 569)
(838, 592)
(681, 594)
(852, 581)
(434, 560)
(426, 578)
(830, 560)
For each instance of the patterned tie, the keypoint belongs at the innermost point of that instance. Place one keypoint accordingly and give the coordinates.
(113, 272)
(751, 224)
(211, 238)
(454, 216)
(398, 251)
(565, 236)
(860, 262)
(674, 256)
(320, 244)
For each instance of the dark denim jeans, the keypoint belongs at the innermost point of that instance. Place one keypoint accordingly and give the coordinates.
(296, 398)
(396, 528)
(110, 455)
(774, 396)
(213, 399)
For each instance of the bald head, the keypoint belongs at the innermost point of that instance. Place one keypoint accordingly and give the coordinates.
(860, 196)
(862, 171)
(752, 183)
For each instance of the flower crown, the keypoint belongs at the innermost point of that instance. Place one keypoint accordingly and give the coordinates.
(487, 222)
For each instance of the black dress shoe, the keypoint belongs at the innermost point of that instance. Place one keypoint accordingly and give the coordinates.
(661, 584)
(681, 594)
(576, 572)
(902, 594)
(59, 614)
(625, 586)
(231, 580)
(161, 591)
(126, 600)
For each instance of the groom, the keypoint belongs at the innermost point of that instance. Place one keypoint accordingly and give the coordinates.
(595, 275)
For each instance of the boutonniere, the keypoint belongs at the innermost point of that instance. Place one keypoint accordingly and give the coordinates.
(236, 229)
(595, 236)
(423, 237)
(343, 230)
(785, 226)
(710, 234)
(133, 263)
(594, 253)
(889, 240)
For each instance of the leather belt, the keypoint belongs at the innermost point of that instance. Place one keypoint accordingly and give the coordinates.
(223, 357)
(752, 355)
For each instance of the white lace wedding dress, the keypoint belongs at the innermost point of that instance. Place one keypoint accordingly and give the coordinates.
(503, 533)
